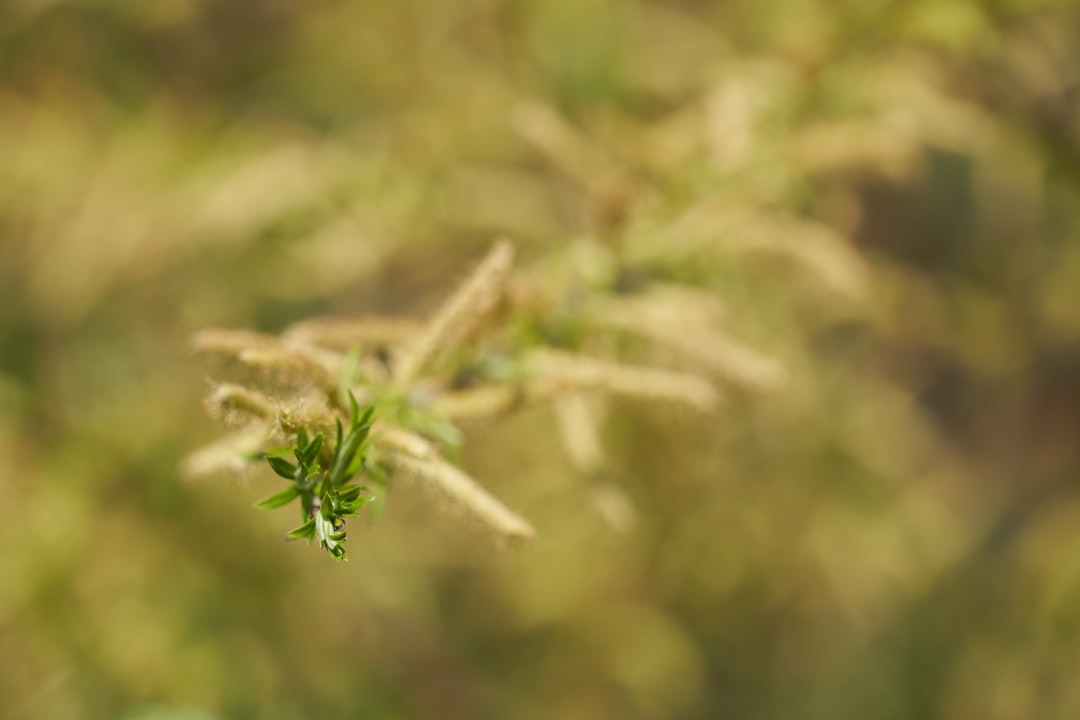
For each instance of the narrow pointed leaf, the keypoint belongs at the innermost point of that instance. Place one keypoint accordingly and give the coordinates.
(337, 440)
(354, 407)
(313, 449)
(353, 505)
(282, 467)
(365, 420)
(278, 499)
(349, 494)
(305, 531)
(345, 457)
(357, 463)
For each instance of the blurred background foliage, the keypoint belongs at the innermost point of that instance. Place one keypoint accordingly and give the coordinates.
(894, 534)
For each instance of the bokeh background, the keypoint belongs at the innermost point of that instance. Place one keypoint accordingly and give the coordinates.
(894, 534)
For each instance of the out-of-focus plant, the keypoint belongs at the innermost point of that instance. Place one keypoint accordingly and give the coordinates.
(494, 346)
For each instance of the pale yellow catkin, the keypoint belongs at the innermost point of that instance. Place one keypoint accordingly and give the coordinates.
(817, 248)
(322, 367)
(579, 430)
(399, 440)
(458, 316)
(266, 352)
(464, 493)
(709, 348)
(477, 403)
(228, 399)
(348, 333)
(567, 150)
(230, 342)
(554, 372)
(229, 455)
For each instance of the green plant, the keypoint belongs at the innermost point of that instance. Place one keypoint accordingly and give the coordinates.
(322, 479)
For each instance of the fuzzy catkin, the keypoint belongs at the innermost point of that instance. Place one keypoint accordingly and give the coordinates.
(459, 315)
(554, 372)
(465, 494)
(347, 333)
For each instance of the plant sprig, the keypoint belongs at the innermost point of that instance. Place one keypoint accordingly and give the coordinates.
(322, 477)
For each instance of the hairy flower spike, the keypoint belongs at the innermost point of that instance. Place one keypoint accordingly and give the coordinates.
(556, 372)
(463, 492)
(228, 400)
(345, 333)
(459, 315)
(707, 347)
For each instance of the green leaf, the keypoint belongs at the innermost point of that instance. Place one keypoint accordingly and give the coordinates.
(349, 494)
(324, 502)
(351, 459)
(345, 456)
(278, 499)
(354, 407)
(310, 480)
(357, 463)
(337, 440)
(305, 531)
(365, 420)
(312, 452)
(307, 450)
(282, 467)
(349, 503)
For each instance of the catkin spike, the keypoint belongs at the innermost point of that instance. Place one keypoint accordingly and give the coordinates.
(687, 309)
(411, 453)
(579, 430)
(400, 440)
(268, 353)
(554, 372)
(459, 315)
(607, 183)
(228, 399)
(346, 333)
(226, 456)
(485, 401)
(814, 246)
(465, 493)
(715, 351)
(321, 366)
(568, 151)
(731, 359)
(877, 145)
(230, 342)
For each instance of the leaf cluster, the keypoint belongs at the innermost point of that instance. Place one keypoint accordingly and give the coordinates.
(322, 478)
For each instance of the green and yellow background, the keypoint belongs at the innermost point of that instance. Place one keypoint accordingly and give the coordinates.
(894, 534)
